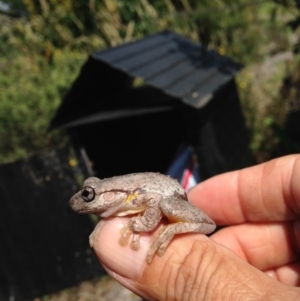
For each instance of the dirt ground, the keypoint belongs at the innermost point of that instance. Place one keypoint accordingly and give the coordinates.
(103, 289)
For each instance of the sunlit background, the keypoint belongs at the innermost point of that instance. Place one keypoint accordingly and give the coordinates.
(44, 43)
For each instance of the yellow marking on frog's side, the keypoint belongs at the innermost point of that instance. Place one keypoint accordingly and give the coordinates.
(131, 197)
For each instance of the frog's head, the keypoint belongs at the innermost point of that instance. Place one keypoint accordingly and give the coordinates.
(98, 197)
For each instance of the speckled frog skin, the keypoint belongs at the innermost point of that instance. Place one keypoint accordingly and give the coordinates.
(149, 195)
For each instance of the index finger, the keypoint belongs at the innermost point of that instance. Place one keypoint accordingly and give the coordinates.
(265, 192)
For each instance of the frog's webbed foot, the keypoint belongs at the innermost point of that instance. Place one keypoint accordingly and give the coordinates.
(135, 242)
(166, 234)
(187, 217)
(126, 233)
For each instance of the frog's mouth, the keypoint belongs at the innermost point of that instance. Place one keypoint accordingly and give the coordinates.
(82, 207)
(92, 211)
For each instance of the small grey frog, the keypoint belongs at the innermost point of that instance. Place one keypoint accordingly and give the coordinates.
(149, 195)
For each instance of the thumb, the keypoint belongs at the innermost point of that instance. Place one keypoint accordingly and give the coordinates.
(194, 267)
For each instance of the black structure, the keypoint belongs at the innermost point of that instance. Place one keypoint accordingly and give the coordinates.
(44, 244)
(132, 106)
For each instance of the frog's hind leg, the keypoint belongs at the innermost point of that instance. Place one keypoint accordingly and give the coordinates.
(165, 236)
(185, 218)
(177, 210)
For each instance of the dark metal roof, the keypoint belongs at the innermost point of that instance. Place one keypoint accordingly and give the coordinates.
(178, 66)
(176, 71)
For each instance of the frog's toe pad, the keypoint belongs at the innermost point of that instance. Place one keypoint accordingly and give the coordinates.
(123, 241)
(149, 257)
(161, 251)
(135, 245)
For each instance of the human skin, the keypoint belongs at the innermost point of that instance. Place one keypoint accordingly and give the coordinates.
(254, 257)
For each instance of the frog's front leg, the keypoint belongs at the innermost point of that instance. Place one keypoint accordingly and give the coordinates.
(184, 218)
(145, 223)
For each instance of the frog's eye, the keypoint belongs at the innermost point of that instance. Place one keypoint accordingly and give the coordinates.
(88, 193)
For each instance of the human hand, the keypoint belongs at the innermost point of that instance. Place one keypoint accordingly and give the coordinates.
(256, 257)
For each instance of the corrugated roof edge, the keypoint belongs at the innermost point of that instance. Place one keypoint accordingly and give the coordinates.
(174, 64)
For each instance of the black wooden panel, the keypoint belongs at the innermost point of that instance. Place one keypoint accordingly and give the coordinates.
(44, 244)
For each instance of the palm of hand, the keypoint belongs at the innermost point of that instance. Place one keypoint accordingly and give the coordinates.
(261, 210)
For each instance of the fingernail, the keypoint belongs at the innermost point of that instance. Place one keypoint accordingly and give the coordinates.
(119, 259)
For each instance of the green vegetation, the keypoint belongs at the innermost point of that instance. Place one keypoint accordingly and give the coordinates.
(31, 90)
(42, 51)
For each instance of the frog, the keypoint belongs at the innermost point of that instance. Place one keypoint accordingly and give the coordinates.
(146, 197)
